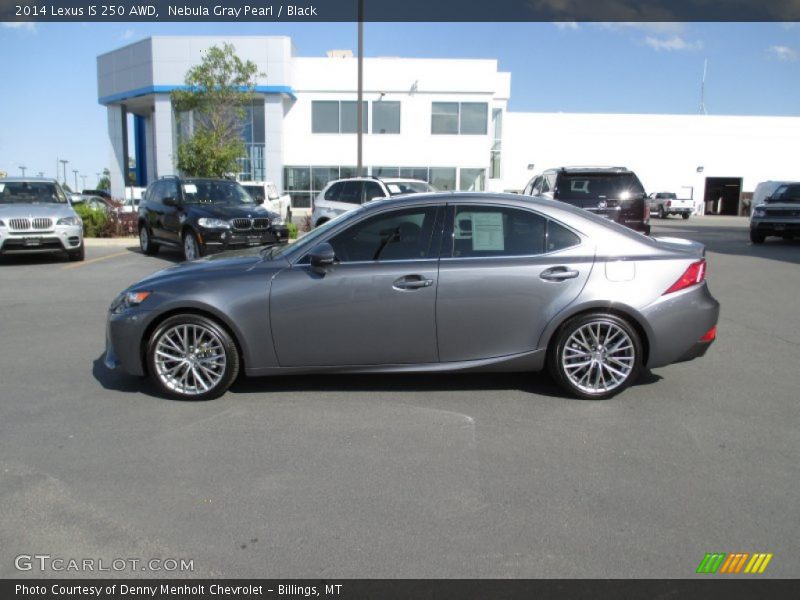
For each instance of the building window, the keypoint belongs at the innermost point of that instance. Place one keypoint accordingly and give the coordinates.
(420, 173)
(442, 178)
(386, 171)
(385, 117)
(444, 118)
(494, 156)
(333, 116)
(465, 118)
(472, 180)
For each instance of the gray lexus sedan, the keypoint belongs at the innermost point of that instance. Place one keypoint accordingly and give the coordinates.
(430, 282)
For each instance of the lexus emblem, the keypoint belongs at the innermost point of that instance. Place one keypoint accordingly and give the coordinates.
(602, 204)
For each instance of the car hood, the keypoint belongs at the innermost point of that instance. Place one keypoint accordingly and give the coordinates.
(231, 212)
(34, 210)
(781, 205)
(234, 260)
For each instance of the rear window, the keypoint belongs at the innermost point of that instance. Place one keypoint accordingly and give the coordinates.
(584, 186)
(408, 187)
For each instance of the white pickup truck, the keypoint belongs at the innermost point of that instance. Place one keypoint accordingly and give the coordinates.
(668, 203)
(266, 193)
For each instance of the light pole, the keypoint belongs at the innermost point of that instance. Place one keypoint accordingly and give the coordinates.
(360, 98)
(23, 170)
(75, 172)
(64, 164)
(98, 178)
(83, 181)
(40, 174)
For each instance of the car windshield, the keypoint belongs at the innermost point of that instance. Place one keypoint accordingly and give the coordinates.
(26, 192)
(307, 241)
(667, 196)
(786, 193)
(408, 187)
(585, 186)
(200, 191)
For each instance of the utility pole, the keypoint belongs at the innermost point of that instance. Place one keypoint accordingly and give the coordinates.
(75, 172)
(83, 181)
(64, 164)
(359, 103)
(703, 110)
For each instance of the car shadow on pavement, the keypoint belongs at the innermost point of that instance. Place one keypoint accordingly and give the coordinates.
(26, 260)
(168, 254)
(734, 240)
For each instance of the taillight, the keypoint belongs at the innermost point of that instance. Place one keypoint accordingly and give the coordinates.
(646, 215)
(696, 273)
(669, 203)
(710, 335)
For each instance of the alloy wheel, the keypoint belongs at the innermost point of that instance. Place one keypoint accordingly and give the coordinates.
(598, 357)
(190, 359)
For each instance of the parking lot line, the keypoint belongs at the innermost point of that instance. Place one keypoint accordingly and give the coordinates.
(94, 260)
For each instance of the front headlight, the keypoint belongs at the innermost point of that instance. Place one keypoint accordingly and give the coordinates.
(213, 223)
(277, 221)
(759, 212)
(127, 300)
(70, 221)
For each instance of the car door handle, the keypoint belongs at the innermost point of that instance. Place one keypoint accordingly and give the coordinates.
(411, 282)
(558, 274)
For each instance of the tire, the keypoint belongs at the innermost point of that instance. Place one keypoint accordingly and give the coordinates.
(685, 216)
(661, 213)
(79, 254)
(192, 248)
(146, 243)
(191, 357)
(321, 222)
(787, 237)
(757, 237)
(608, 372)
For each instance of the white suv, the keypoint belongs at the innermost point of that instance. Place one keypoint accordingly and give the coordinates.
(343, 195)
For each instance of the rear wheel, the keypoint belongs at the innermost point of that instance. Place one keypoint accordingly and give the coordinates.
(595, 356)
(192, 248)
(685, 216)
(661, 213)
(756, 237)
(146, 242)
(192, 358)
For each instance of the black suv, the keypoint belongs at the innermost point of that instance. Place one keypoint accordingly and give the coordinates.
(201, 215)
(611, 192)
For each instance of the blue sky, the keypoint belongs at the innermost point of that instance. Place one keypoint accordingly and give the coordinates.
(48, 100)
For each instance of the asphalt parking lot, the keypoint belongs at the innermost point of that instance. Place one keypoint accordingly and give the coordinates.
(402, 476)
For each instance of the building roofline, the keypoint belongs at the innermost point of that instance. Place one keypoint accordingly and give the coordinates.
(166, 89)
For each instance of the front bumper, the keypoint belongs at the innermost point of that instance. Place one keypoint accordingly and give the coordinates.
(219, 240)
(124, 334)
(775, 225)
(59, 239)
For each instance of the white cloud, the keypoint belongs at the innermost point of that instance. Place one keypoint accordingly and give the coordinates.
(658, 28)
(785, 53)
(674, 43)
(566, 25)
(28, 26)
(129, 33)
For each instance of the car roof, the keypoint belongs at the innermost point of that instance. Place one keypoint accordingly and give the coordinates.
(380, 179)
(28, 180)
(589, 169)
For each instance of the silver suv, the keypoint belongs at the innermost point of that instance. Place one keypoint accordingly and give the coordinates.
(35, 216)
(346, 194)
(779, 214)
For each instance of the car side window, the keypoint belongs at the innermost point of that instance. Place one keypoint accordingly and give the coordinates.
(485, 231)
(334, 191)
(350, 193)
(548, 183)
(536, 188)
(155, 196)
(396, 235)
(559, 237)
(372, 190)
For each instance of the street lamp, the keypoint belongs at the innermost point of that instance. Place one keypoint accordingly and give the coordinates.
(23, 170)
(64, 164)
(75, 172)
(83, 180)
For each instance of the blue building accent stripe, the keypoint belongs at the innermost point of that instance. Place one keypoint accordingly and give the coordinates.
(166, 89)
(140, 150)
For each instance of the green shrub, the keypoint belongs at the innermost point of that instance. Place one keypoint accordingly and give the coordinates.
(292, 230)
(94, 220)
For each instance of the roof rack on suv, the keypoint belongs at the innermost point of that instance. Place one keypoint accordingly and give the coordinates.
(592, 167)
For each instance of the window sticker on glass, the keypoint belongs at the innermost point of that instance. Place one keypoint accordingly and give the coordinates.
(394, 188)
(487, 231)
(2, 187)
(580, 185)
(189, 188)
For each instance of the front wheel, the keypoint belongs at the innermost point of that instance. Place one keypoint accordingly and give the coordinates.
(146, 243)
(192, 248)
(595, 356)
(77, 255)
(191, 357)
(757, 237)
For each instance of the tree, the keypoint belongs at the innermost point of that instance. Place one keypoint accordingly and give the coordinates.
(217, 90)
(105, 181)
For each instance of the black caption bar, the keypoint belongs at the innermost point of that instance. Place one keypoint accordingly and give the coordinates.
(350, 589)
(400, 10)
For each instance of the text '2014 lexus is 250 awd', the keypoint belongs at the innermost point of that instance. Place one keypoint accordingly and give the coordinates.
(430, 282)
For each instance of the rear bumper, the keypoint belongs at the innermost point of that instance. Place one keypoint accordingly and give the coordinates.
(696, 351)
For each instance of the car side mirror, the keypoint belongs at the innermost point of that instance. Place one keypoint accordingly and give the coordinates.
(170, 201)
(321, 257)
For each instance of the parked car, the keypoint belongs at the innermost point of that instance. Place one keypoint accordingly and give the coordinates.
(266, 193)
(665, 204)
(346, 194)
(765, 189)
(614, 193)
(95, 202)
(778, 215)
(101, 193)
(431, 282)
(35, 216)
(201, 216)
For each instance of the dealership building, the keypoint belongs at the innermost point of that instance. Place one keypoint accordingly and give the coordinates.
(442, 120)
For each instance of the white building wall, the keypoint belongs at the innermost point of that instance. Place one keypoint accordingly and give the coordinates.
(164, 153)
(116, 151)
(664, 150)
